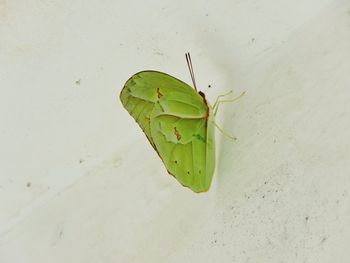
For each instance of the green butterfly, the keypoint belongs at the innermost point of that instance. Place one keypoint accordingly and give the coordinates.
(178, 122)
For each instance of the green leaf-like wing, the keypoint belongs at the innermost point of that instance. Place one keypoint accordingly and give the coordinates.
(178, 123)
(186, 146)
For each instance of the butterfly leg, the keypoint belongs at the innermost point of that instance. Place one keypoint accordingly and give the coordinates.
(225, 133)
(218, 101)
(220, 96)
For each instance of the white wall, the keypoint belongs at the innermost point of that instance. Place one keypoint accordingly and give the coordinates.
(79, 181)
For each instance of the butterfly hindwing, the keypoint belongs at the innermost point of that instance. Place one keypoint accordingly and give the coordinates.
(182, 143)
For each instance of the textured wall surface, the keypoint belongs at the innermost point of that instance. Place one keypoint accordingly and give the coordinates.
(79, 181)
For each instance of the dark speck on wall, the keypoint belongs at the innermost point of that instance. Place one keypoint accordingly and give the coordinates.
(29, 184)
(77, 82)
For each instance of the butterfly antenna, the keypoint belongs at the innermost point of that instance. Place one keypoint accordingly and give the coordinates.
(190, 67)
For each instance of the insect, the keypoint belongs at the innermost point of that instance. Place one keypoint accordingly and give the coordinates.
(178, 122)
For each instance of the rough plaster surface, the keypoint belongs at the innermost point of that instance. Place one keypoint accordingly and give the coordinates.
(79, 181)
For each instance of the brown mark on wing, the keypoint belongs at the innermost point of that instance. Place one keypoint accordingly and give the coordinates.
(177, 134)
(159, 94)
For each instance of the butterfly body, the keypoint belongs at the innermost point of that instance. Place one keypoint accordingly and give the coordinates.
(179, 123)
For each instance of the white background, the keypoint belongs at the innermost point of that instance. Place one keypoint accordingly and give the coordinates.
(79, 181)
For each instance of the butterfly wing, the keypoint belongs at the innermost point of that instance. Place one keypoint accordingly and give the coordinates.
(183, 135)
(177, 122)
(144, 89)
